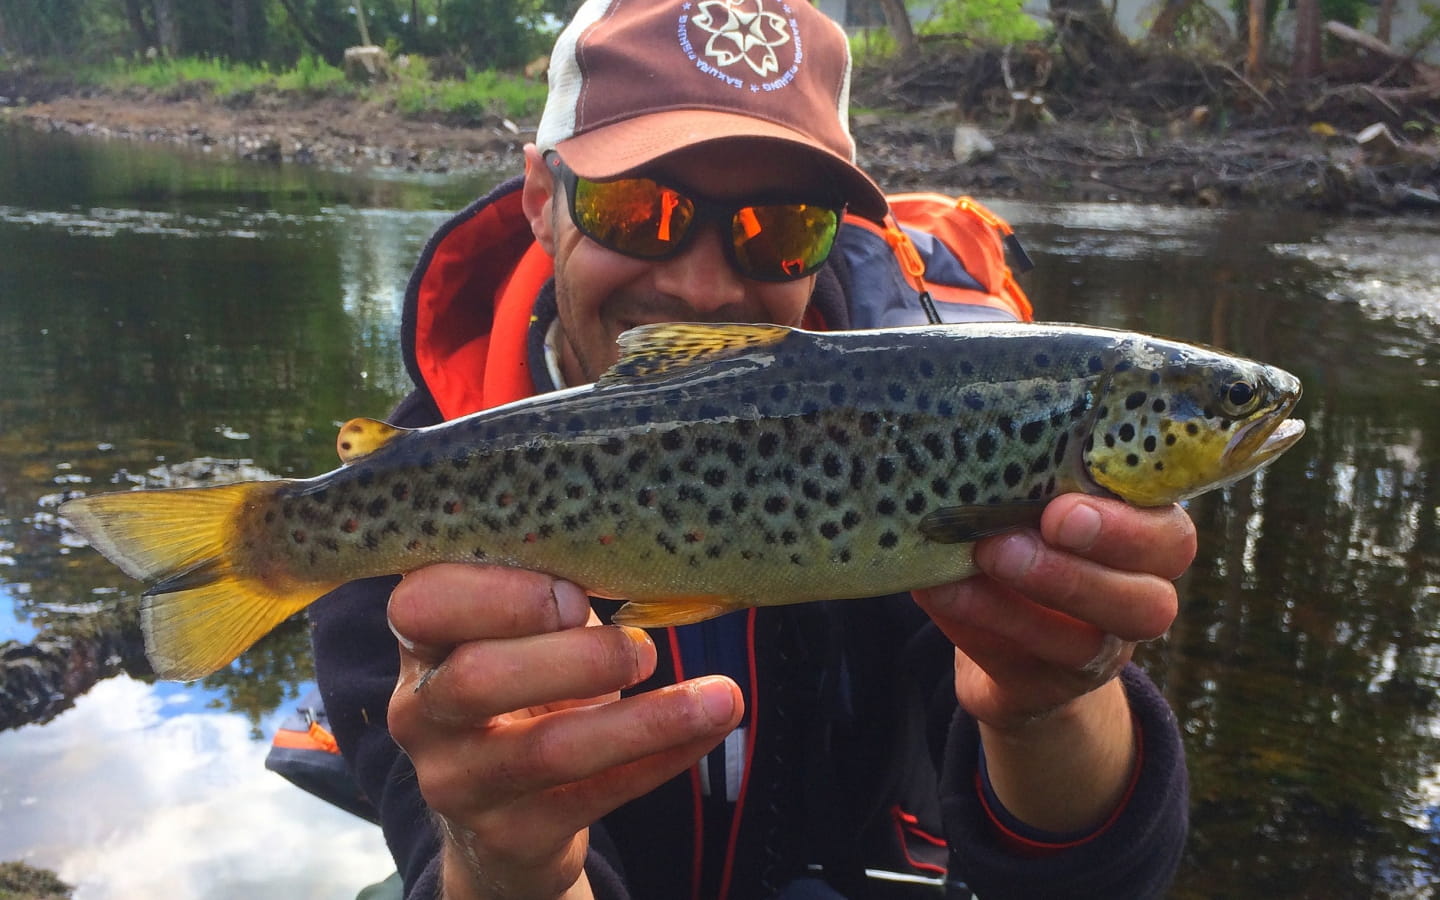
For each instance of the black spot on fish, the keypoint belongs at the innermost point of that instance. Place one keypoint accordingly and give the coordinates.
(1013, 474)
(612, 446)
(966, 367)
(1032, 432)
(1150, 444)
(1041, 463)
(985, 447)
(1060, 444)
(366, 478)
(1109, 439)
(715, 516)
(834, 499)
(934, 445)
(642, 415)
(1078, 408)
(1132, 460)
(429, 528)
(958, 445)
(1191, 428)
(1136, 400)
(945, 409)
(837, 394)
(779, 392)
(810, 489)
(777, 504)
(885, 470)
(838, 436)
(830, 530)
(1036, 492)
(1124, 365)
(1158, 406)
(858, 468)
(1127, 432)
(534, 455)
(1095, 364)
(716, 477)
(870, 424)
(940, 488)
(665, 543)
(377, 507)
(974, 400)
(1170, 440)
(671, 440)
(896, 391)
(915, 505)
(637, 461)
(665, 475)
(768, 443)
(1042, 360)
(888, 540)
(807, 455)
(574, 491)
(967, 492)
(850, 519)
(735, 452)
(885, 506)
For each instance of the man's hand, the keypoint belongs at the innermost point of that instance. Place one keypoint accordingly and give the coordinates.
(1040, 635)
(509, 709)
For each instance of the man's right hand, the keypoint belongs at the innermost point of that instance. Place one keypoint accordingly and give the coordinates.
(509, 708)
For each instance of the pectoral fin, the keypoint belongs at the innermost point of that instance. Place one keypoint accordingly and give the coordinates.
(962, 524)
(673, 611)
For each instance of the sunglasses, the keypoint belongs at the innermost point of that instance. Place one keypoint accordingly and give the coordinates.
(644, 219)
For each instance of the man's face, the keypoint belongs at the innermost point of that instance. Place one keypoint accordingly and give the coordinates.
(602, 293)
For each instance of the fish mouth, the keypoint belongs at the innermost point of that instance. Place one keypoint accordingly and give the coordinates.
(1262, 440)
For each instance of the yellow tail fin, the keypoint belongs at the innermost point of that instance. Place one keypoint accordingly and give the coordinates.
(207, 607)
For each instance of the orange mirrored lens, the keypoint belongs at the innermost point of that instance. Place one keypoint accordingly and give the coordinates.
(633, 215)
(783, 241)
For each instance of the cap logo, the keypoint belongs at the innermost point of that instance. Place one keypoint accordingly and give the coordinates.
(738, 41)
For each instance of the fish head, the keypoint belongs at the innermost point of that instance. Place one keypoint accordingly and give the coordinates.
(1194, 421)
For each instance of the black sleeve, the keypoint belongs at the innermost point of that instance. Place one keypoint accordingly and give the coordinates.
(1134, 856)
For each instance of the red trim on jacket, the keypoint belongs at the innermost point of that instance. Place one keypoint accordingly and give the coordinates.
(1030, 847)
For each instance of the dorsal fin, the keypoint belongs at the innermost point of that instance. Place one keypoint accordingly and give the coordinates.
(362, 436)
(663, 347)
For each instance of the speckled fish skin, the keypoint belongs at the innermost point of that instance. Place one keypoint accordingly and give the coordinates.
(796, 470)
(714, 467)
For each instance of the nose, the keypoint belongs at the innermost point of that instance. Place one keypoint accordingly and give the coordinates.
(702, 276)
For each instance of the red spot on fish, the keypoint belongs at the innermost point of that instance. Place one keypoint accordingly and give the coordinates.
(413, 546)
(505, 499)
(298, 536)
(694, 537)
(531, 537)
(452, 507)
(350, 526)
(607, 539)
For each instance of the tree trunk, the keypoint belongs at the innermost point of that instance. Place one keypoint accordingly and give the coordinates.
(309, 37)
(241, 45)
(167, 28)
(1306, 63)
(1383, 17)
(144, 34)
(1257, 41)
(899, 21)
(1087, 33)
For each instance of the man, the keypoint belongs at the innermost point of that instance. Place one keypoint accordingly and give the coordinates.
(517, 747)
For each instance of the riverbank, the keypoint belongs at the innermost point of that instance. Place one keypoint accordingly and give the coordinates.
(1173, 131)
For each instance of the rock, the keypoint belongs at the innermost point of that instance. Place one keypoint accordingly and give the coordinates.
(971, 144)
(367, 63)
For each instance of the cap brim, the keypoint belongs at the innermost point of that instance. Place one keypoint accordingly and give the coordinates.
(621, 147)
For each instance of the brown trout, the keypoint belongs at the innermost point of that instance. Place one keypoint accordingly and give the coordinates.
(714, 467)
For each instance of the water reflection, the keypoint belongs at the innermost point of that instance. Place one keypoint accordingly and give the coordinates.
(143, 791)
(151, 314)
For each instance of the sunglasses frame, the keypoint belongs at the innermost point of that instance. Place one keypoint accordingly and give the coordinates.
(722, 214)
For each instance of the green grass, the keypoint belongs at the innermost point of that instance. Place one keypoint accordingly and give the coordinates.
(410, 89)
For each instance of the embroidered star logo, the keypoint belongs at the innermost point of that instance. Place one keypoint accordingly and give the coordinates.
(742, 31)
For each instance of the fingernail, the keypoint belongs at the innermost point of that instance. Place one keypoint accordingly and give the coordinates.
(405, 642)
(1079, 529)
(571, 603)
(716, 699)
(1014, 557)
(638, 635)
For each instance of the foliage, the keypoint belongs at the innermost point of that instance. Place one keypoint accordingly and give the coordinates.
(479, 34)
(479, 95)
(983, 21)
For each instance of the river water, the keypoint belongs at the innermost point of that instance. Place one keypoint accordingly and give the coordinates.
(159, 308)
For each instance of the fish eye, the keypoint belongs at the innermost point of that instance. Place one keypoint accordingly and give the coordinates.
(1240, 396)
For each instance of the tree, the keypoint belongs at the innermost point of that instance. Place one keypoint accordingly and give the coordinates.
(1257, 38)
(1306, 60)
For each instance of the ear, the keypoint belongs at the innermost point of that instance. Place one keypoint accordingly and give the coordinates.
(537, 196)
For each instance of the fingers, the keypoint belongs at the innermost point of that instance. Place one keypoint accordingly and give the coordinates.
(440, 606)
(1099, 561)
